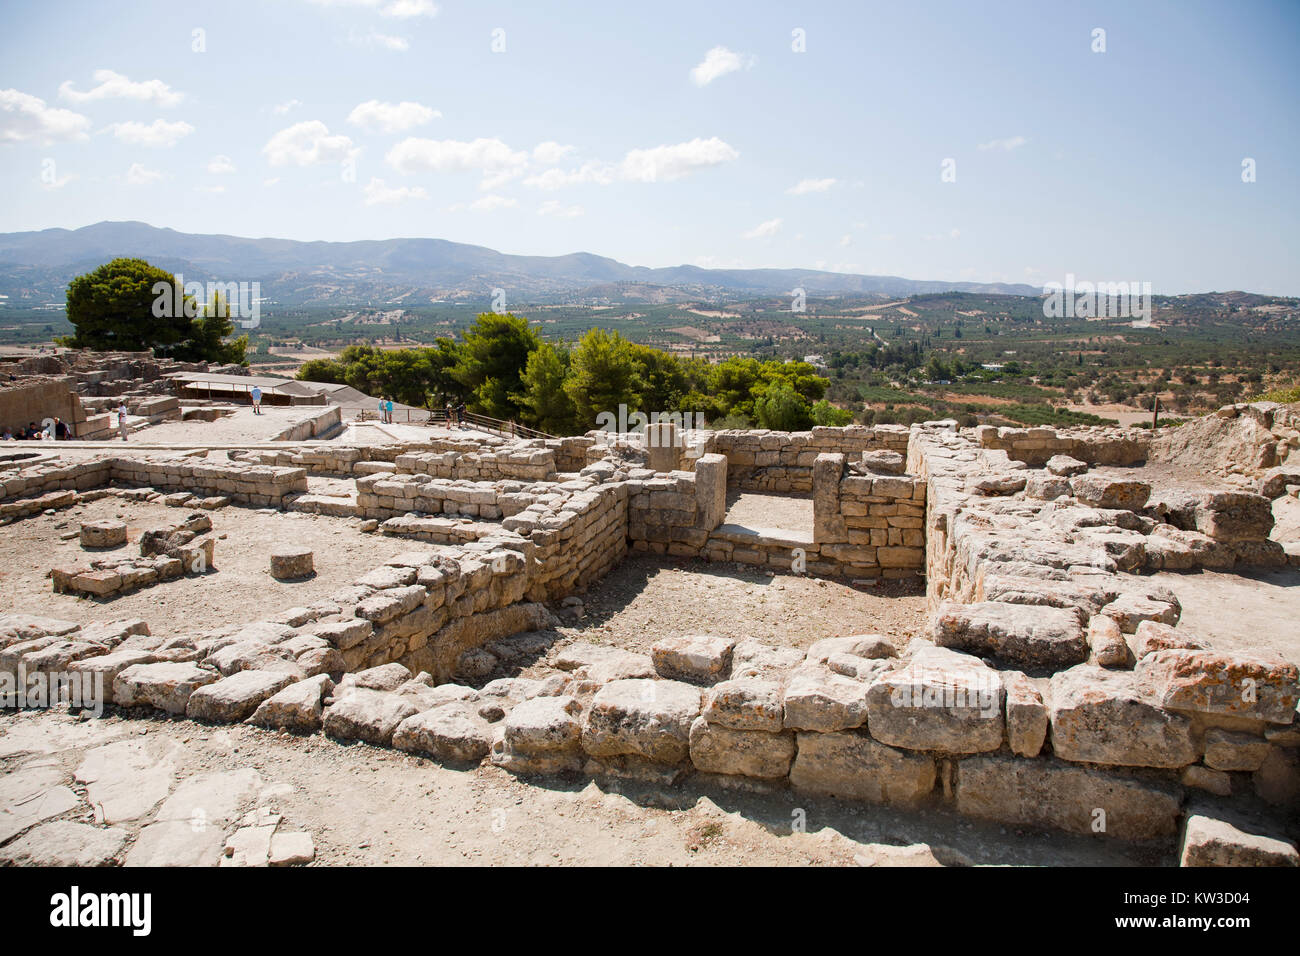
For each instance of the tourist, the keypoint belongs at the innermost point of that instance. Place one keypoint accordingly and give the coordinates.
(32, 432)
(460, 414)
(121, 421)
(451, 415)
(257, 400)
(60, 430)
(8, 435)
(381, 411)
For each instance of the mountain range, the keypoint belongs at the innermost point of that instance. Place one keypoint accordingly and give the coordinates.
(35, 268)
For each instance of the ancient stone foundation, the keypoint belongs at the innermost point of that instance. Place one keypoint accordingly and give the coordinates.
(1056, 686)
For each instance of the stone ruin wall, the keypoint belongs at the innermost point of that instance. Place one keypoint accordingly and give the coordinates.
(783, 461)
(1079, 691)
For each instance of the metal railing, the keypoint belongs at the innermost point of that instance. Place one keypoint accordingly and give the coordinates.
(438, 416)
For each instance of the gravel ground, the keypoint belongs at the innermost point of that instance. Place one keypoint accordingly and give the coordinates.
(240, 589)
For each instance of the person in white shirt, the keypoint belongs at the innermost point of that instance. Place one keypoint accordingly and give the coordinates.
(121, 421)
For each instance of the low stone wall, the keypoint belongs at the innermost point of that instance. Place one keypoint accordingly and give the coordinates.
(1034, 446)
(519, 462)
(873, 523)
(783, 461)
(317, 425)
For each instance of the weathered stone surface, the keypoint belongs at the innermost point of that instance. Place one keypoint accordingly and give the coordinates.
(648, 718)
(296, 708)
(941, 700)
(452, 732)
(1106, 491)
(344, 634)
(368, 715)
(235, 698)
(32, 796)
(746, 753)
(1231, 750)
(1221, 515)
(384, 677)
(1209, 840)
(1046, 487)
(1029, 636)
(126, 779)
(1129, 610)
(694, 658)
(189, 828)
(291, 849)
(752, 658)
(817, 699)
(869, 646)
(1027, 717)
(103, 534)
(1056, 795)
(1213, 682)
(1100, 716)
(1277, 781)
(166, 685)
(1152, 636)
(289, 563)
(544, 725)
(746, 703)
(65, 843)
(855, 767)
(1065, 466)
(384, 606)
(1203, 778)
(1106, 642)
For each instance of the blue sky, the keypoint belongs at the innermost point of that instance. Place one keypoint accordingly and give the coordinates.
(671, 133)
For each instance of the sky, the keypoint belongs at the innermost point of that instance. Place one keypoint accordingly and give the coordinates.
(987, 142)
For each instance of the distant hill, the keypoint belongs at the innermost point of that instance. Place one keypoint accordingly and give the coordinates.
(35, 268)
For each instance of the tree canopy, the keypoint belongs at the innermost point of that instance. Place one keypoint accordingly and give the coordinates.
(116, 308)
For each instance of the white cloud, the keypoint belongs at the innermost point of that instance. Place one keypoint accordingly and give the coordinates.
(221, 165)
(25, 117)
(660, 164)
(377, 193)
(402, 9)
(764, 230)
(116, 86)
(306, 144)
(158, 133)
(391, 117)
(805, 186)
(488, 203)
(550, 152)
(283, 108)
(211, 189)
(1006, 145)
(600, 173)
(846, 240)
(138, 175)
(673, 162)
(557, 209)
(719, 62)
(384, 40)
(271, 182)
(497, 161)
